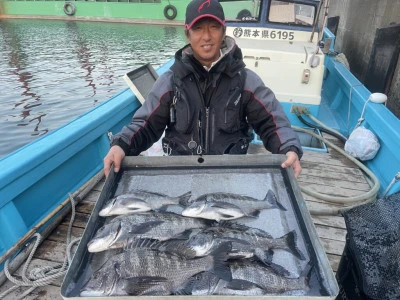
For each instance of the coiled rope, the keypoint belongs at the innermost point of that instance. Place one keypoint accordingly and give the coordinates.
(42, 276)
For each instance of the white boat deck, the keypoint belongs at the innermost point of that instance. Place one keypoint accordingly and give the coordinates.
(330, 173)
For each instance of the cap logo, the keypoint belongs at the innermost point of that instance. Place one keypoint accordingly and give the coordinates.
(202, 5)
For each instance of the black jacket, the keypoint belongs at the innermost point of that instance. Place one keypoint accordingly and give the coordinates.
(215, 111)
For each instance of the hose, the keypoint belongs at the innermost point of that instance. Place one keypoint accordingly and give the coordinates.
(323, 129)
(354, 200)
(327, 129)
(300, 110)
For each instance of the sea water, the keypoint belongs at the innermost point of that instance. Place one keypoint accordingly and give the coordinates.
(52, 71)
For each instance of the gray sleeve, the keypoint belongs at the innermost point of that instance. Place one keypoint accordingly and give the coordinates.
(266, 115)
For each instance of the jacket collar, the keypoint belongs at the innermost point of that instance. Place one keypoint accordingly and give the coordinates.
(230, 62)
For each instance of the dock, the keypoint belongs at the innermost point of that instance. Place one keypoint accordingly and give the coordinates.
(330, 173)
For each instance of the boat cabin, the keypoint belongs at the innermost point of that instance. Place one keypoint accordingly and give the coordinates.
(279, 41)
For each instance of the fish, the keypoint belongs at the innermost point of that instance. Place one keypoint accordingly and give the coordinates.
(140, 271)
(122, 230)
(140, 201)
(248, 278)
(266, 278)
(228, 206)
(206, 283)
(245, 240)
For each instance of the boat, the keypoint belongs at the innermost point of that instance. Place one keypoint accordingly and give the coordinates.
(137, 11)
(281, 42)
(162, 12)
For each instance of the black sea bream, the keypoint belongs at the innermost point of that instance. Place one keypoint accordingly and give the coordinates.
(228, 206)
(149, 272)
(123, 230)
(140, 201)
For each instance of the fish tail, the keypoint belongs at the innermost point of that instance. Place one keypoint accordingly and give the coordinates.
(220, 267)
(184, 199)
(305, 276)
(291, 239)
(271, 198)
(266, 256)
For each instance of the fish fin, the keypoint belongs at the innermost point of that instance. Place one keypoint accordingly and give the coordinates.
(240, 285)
(163, 208)
(221, 268)
(291, 239)
(139, 285)
(259, 232)
(271, 198)
(184, 200)
(221, 204)
(254, 214)
(178, 247)
(183, 235)
(233, 225)
(266, 258)
(226, 205)
(145, 227)
(279, 269)
(141, 243)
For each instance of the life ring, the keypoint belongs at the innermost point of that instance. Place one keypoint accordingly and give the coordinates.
(69, 8)
(170, 12)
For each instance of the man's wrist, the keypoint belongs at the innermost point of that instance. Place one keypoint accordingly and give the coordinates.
(124, 146)
(293, 149)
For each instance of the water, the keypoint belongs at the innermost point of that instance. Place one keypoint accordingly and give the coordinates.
(53, 71)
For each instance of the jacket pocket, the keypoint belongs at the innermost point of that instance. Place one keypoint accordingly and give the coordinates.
(232, 113)
(185, 113)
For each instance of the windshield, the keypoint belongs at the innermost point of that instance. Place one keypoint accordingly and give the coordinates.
(279, 12)
(284, 12)
(241, 10)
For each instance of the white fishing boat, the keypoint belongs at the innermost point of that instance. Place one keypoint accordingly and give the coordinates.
(325, 103)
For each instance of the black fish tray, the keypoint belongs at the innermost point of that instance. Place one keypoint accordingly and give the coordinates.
(249, 175)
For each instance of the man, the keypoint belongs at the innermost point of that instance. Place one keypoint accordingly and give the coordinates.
(207, 103)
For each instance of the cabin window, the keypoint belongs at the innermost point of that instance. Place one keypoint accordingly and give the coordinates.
(243, 11)
(285, 12)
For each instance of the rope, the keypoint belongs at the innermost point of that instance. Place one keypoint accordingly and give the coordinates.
(46, 275)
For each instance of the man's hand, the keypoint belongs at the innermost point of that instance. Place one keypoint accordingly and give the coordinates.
(292, 160)
(115, 155)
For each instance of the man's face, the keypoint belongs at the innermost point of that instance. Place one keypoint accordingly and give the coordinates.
(206, 37)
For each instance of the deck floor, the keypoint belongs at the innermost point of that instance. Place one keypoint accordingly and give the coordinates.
(330, 173)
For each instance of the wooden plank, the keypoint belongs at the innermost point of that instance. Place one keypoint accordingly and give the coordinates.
(332, 246)
(51, 251)
(344, 182)
(60, 233)
(334, 261)
(48, 292)
(332, 233)
(92, 197)
(332, 221)
(85, 207)
(99, 186)
(79, 221)
(336, 191)
(333, 173)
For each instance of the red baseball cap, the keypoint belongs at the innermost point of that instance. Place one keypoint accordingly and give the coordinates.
(198, 9)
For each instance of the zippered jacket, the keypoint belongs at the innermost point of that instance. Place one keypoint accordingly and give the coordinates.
(209, 112)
